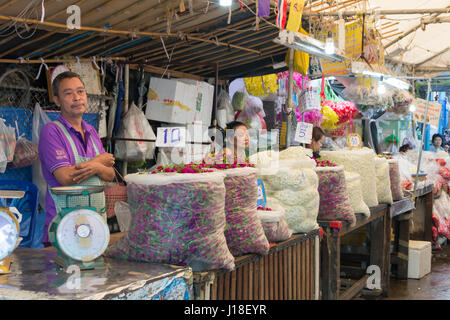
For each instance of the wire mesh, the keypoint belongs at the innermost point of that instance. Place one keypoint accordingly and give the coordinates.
(19, 93)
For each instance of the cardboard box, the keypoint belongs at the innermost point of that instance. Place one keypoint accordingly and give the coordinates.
(205, 99)
(182, 101)
(419, 261)
(171, 101)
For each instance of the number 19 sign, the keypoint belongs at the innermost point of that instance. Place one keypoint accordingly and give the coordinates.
(171, 137)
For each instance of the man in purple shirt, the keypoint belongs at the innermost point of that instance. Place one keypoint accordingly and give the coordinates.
(64, 142)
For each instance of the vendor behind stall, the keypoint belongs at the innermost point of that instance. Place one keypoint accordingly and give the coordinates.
(404, 148)
(237, 141)
(70, 150)
(318, 136)
(436, 141)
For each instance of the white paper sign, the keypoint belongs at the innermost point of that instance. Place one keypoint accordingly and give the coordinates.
(354, 141)
(171, 137)
(303, 133)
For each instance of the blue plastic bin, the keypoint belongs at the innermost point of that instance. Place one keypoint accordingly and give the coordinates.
(32, 224)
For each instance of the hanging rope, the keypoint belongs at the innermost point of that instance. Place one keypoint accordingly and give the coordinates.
(40, 68)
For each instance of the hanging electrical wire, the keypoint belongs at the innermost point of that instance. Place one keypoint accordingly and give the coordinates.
(23, 29)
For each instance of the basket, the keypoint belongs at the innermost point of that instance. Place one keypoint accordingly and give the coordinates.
(114, 191)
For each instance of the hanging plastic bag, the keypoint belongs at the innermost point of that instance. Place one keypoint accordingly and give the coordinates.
(3, 161)
(225, 104)
(25, 154)
(134, 125)
(7, 140)
(40, 118)
(123, 214)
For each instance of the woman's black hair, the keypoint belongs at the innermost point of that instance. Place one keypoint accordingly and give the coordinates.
(437, 135)
(234, 124)
(405, 148)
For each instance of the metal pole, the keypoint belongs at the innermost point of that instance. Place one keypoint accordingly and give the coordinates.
(290, 93)
(373, 12)
(216, 89)
(125, 106)
(423, 137)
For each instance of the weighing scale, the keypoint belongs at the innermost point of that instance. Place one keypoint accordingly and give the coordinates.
(79, 233)
(9, 230)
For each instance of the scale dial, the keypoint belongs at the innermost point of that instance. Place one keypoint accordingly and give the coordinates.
(9, 234)
(82, 235)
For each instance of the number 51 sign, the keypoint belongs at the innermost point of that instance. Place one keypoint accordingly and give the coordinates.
(171, 137)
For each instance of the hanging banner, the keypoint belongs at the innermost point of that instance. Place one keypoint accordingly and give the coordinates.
(433, 114)
(295, 15)
(353, 44)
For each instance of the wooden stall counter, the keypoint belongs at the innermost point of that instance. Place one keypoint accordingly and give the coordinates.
(34, 276)
(289, 272)
(379, 227)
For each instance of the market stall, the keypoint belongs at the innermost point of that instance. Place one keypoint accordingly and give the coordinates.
(254, 149)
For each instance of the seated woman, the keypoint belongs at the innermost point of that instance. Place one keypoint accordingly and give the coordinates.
(236, 145)
(237, 141)
(318, 136)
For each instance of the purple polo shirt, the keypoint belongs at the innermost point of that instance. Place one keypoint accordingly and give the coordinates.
(55, 152)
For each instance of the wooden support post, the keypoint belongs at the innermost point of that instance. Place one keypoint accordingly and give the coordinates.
(387, 252)
(330, 265)
(401, 248)
(427, 235)
(377, 247)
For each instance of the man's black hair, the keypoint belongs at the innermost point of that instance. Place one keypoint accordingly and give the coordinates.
(437, 135)
(62, 76)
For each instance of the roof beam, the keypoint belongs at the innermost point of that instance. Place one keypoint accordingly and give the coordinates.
(433, 19)
(126, 32)
(383, 12)
(433, 56)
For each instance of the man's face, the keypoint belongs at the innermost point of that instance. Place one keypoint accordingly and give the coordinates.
(72, 98)
(437, 141)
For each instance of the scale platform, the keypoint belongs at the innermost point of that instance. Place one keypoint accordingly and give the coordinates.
(9, 230)
(35, 276)
(78, 232)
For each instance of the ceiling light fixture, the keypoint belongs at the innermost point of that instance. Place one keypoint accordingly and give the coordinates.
(225, 3)
(301, 42)
(329, 44)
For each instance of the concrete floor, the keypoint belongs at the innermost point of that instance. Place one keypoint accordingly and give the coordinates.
(434, 286)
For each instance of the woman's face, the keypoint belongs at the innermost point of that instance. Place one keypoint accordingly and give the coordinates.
(241, 137)
(437, 141)
(316, 145)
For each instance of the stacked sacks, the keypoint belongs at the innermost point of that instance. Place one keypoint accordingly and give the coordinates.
(177, 218)
(384, 193)
(293, 183)
(353, 181)
(244, 232)
(334, 200)
(273, 222)
(362, 162)
(395, 181)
